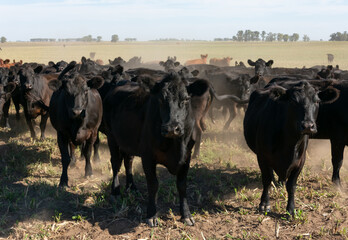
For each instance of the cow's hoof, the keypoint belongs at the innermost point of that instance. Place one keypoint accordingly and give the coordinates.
(265, 208)
(152, 222)
(96, 160)
(88, 174)
(63, 185)
(188, 221)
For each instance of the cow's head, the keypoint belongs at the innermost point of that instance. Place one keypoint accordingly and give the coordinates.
(89, 67)
(28, 76)
(173, 100)
(170, 64)
(117, 61)
(304, 100)
(243, 86)
(76, 88)
(204, 57)
(260, 68)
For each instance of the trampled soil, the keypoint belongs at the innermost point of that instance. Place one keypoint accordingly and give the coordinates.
(224, 190)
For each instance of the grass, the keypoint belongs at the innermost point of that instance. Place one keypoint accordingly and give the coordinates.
(284, 54)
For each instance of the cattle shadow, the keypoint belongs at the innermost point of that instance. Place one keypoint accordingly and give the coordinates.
(24, 199)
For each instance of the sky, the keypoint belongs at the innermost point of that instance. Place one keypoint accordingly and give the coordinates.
(181, 19)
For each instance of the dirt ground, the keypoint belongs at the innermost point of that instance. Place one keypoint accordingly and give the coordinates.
(224, 190)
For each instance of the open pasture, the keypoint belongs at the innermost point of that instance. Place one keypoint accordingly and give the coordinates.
(284, 54)
(224, 183)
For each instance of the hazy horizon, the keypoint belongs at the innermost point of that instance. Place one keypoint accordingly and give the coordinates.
(180, 19)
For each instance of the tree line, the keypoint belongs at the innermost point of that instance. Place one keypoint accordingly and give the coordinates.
(338, 36)
(248, 35)
(241, 36)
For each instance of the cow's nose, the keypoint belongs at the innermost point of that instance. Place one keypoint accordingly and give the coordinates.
(28, 86)
(77, 112)
(177, 130)
(308, 127)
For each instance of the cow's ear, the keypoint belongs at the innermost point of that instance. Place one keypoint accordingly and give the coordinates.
(176, 64)
(278, 93)
(161, 63)
(38, 69)
(95, 82)
(251, 63)
(51, 64)
(83, 59)
(329, 95)
(269, 63)
(198, 88)
(55, 84)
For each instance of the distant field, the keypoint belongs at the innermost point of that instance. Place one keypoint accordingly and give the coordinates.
(290, 54)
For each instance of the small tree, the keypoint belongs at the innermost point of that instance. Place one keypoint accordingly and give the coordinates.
(3, 39)
(305, 38)
(99, 38)
(280, 37)
(286, 37)
(263, 35)
(114, 38)
(294, 37)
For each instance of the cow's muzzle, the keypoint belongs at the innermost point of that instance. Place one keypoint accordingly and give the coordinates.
(78, 113)
(308, 127)
(171, 131)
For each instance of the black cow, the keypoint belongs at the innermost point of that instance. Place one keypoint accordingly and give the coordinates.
(330, 57)
(156, 126)
(261, 68)
(276, 128)
(35, 97)
(332, 123)
(15, 95)
(76, 112)
(170, 64)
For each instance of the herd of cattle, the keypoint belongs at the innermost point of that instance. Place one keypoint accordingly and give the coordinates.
(156, 112)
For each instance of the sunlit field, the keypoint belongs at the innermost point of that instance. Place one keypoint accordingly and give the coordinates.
(289, 54)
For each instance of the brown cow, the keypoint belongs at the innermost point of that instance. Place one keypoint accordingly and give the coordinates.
(221, 62)
(203, 60)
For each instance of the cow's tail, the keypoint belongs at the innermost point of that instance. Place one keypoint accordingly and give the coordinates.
(70, 66)
(226, 96)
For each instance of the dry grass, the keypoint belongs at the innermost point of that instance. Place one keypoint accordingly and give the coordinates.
(290, 54)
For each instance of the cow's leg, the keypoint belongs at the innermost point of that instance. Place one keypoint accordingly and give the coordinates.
(16, 102)
(30, 125)
(267, 175)
(291, 187)
(87, 153)
(128, 165)
(152, 187)
(72, 154)
(96, 145)
(63, 143)
(337, 150)
(198, 139)
(116, 162)
(43, 123)
(181, 185)
(211, 115)
(232, 109)
(5, 109)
